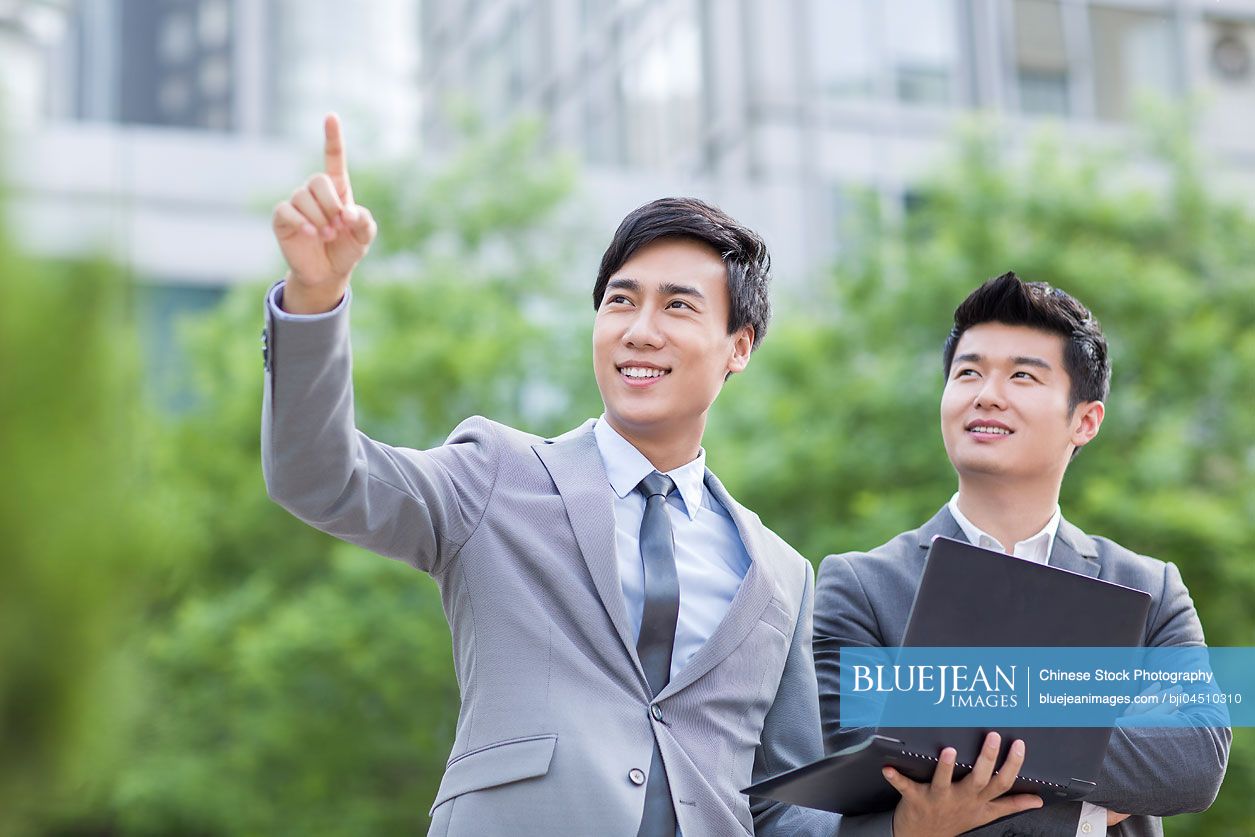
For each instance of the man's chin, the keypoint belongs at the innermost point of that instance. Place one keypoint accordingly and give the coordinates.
(981, 467)
(640, 422)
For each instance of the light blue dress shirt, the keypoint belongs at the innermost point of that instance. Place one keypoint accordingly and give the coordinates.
(710, 557)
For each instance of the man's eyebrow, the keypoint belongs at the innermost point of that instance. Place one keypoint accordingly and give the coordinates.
(1018, 360)
(626, 283)
(672, 289)
(623, 283)
(1024, 360)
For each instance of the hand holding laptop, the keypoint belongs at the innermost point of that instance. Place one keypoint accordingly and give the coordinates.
(969, 803)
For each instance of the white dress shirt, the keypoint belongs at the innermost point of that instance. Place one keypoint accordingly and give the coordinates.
(1037, 548)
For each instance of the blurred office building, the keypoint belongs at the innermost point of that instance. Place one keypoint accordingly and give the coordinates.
(775, 109)
(160, 131)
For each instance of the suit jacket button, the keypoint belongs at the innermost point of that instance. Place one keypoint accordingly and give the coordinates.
(636, 776)
(656, 711)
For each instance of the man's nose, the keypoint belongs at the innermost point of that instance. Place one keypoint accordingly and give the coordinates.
(991, 394)
(644, 330)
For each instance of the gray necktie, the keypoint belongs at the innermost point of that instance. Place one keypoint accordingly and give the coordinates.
(657, 637)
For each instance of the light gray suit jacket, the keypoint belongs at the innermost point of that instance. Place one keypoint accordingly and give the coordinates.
(863, 599)
(518, 533)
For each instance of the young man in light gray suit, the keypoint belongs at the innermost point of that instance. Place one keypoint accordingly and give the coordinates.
(1027, 373)
(632, 645)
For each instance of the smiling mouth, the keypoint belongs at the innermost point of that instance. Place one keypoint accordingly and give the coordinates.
(989, 430)
(642, 373)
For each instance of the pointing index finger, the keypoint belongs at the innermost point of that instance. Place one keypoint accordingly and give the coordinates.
(335, 160)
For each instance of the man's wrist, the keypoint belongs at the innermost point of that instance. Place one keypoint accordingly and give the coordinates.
(300, 300)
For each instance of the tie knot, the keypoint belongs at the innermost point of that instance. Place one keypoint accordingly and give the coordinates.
(656, 484)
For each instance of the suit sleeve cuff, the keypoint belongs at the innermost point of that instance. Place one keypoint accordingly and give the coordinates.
(276, 307)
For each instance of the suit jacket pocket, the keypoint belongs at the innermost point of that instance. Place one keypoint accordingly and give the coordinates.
(496, 764)
(777, 616)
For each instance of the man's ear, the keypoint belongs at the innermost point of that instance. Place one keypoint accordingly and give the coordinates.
(1086, 420)
(742, 345)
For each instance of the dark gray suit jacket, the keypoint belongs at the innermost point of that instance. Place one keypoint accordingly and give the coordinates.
(864, 598)
(518, 532)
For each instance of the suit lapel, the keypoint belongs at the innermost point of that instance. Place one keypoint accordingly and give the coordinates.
(747, 605)
(942, 525)
(575, 465)
(1074, 550)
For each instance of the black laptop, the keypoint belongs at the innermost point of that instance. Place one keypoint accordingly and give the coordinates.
(974, 597)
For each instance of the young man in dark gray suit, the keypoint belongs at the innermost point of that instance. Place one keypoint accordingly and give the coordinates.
(1027, 373)
(632, 645)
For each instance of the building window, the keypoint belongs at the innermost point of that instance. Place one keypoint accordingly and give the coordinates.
(1227, 69)
(491, 70)
(176, 63)
(1134, 53)
(661, 87)
(843, 46)
(524, 43)
(593, 14)
(602, 126)
(1041, 58)
(923, 44)
(165, 309)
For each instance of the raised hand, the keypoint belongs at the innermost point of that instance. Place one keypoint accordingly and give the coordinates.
(323, 234)
(943, 808)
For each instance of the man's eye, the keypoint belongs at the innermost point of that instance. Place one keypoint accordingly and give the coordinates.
(965, 373)
(673, 303)
(1026, 375)
(617, 298)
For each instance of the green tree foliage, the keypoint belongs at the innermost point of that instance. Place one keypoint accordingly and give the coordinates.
(833, 434)
(81, 527)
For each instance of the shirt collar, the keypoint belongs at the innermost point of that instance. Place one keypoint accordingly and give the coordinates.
(1036, 548)
(626, 467)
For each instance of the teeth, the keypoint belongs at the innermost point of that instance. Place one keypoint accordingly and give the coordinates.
(642, 372)
(980, 428)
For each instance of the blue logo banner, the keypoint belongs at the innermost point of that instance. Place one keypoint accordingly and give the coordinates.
(1047, 687)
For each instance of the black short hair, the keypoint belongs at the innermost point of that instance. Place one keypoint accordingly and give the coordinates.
(743, 251)
(1010, 300)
